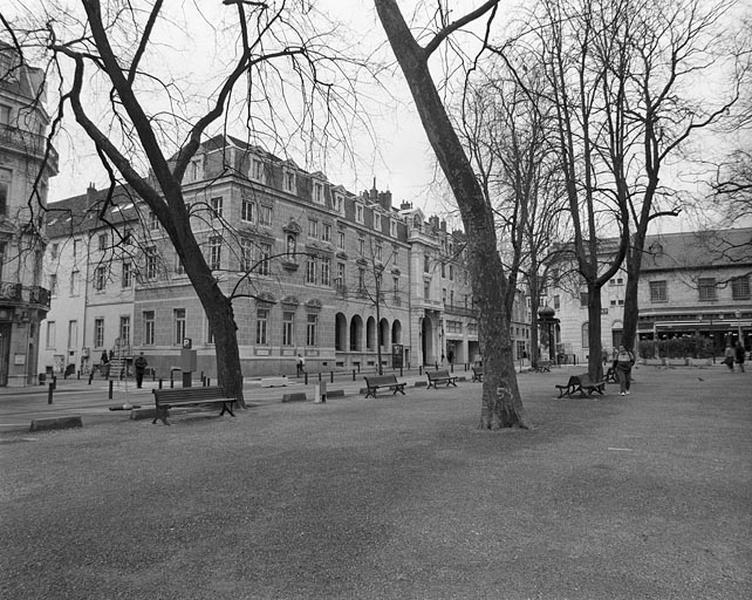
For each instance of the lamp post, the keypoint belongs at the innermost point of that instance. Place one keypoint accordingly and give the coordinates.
(739, 325)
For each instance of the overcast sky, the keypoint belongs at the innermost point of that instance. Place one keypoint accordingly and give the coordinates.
(399, 157)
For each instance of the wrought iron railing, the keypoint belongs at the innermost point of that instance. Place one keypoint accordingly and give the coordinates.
(27, 142)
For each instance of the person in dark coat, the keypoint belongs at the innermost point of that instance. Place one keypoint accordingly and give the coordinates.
(140, 364)
(624, 361)
(739, 350)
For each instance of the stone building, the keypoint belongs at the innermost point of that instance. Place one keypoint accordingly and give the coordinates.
(26, 164)
(314, 270)
(692, 284)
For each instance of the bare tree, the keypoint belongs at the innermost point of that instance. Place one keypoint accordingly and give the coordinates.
(487, 272)
(507, 129)
(673, 46)
(118, 47)
(573, 42)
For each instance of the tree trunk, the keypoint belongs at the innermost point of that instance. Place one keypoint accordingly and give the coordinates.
(595, 346)
(631, 306)
(219, 311)
(485, 264)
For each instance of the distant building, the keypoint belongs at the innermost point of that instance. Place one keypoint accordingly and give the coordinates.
(26, 164)
(302, 254)
(692, 284)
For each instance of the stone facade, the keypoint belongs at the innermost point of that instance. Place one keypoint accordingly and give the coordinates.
(314, 270)
(692, 284)
(26, 164)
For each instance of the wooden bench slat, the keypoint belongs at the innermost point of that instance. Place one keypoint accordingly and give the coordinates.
(442, 376)
(374, 382)
(582, 384)
(190, 396)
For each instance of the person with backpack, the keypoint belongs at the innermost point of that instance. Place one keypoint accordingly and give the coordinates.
(624, 361)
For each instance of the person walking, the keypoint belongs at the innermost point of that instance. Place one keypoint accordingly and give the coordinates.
(740, 355)
(140, 364)
(728, 355)
(300, 365)
(624, 361)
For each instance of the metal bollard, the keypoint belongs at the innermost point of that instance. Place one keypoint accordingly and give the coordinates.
(172, 381)
(208, 381)
(319, 376)
(50, 389)
(160, 383)
(420, 370)
(90, 377)
(401, 372)
(109, 394)
(353, 374)
(306, 377)
(331, 376)
(436, 366)
(451, 367)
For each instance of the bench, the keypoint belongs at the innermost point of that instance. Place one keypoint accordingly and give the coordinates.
(582, 384)
(373, 383)
(189, 396)
(442, 376)
(477, 374)
(543, 366)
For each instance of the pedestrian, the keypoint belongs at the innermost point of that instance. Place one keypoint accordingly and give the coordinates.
(450, 356)
(740, 355)
(624, 361)
(300, 365)
(729, 355)
(104, 365)
(140, 364)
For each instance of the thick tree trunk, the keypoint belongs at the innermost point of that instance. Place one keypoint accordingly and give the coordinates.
(486, 270)
(631, 306)
(595, 345)
(218, 309)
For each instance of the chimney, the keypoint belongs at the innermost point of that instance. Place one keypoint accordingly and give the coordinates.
(406, 205)
(91, 193)
(443, 226)
(385, 200)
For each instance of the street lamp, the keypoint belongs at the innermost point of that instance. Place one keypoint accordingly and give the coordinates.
(739, 324)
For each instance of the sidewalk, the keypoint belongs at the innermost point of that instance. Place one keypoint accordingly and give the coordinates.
(646, 497)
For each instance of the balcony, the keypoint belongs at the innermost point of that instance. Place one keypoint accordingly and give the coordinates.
(454, 309)
(28, 143)
(17, 294)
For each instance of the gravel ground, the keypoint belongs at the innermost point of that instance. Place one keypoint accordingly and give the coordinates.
(643, 496)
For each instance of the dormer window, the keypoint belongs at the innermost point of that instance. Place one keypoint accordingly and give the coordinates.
(359, 213)
(289, 181)
(376, 221)
(257, 169)
(339, 204)
(195, 169)
(393, 228)
(318, 192)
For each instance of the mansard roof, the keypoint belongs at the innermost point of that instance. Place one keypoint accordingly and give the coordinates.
(698, 249)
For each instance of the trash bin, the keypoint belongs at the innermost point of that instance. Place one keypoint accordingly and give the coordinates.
(42, 378)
